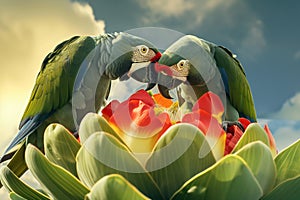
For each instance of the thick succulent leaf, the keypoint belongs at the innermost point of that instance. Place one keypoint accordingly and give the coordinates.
(102, 154)
(17, 163)
(114, 187)
(259, 158)
(61, 147)
(289, 189)
(16, 185)
(230, 178)
(92, 123)
(57, 181)
(254, 132)
(288, 162)
(14, 196)
(179, 154)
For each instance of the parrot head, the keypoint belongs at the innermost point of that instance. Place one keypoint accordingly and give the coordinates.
(131, 56)
(189, 60)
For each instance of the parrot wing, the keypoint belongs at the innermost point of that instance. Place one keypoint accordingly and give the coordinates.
(54, 84)
(235, 82)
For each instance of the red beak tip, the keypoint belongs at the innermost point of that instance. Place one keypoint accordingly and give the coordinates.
(156, 57)
(163, 68)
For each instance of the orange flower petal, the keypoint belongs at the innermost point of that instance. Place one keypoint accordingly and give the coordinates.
(162, 101)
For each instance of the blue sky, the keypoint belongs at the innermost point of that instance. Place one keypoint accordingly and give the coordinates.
(263, 34)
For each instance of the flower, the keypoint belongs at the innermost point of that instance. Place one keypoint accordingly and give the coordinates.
(233, 135)
(136, 122)
(206, 115)
(143, 118)
(271, 140)
(102, 167)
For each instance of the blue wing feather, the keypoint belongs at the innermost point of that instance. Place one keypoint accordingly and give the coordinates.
(28, 127)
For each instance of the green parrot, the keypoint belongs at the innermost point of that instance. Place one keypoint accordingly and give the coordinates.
(76, 76)
(196, 66)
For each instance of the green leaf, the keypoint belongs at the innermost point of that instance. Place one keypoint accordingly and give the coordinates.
(114, 187)
(102, 154)
(61, 147)
(60, 183)
(230, 178)
(16, 185)
(179, 154)
(289, 189)
(92, 123)
(288, 163)
(259, 158)
(254, 132)
(14, 196)
(17, 164)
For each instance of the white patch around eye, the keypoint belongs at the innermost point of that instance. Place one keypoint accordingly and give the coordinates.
(182, 63)
(143, 49)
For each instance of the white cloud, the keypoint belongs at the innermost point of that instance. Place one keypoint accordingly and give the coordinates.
(285, 132)
(290, 109)
(254, 40)
(167, 8)
(177, 8)
(29, 30)
(232, 21)
(297, 55)
(285, 136)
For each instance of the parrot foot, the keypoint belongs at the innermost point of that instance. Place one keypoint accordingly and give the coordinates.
(227, 124)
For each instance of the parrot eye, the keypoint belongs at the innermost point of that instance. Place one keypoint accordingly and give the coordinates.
(181, 64)
(143, 50)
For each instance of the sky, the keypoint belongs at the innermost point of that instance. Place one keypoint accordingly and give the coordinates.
(263, 34)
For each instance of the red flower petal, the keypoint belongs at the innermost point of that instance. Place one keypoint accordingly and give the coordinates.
(232, 138)
(211, 128)
(200, 119)
(166, 121)
(245, 122)
(271, 140)
(143, 96)
(209, 102)
(108, 111)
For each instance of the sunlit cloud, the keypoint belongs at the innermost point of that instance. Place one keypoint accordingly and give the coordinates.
(29, 30)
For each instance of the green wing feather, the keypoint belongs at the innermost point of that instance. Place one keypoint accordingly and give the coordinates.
(238, 87)
(58, 69)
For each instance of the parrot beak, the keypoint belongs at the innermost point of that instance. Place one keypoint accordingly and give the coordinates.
(166, 79)
(144, 71)
(153, 73)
